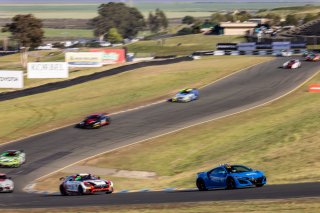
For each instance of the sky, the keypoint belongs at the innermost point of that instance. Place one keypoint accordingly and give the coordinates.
(158, 1)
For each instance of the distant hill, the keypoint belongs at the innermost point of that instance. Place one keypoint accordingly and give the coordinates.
(157, 1)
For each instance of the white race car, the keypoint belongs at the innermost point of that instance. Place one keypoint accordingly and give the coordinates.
(292, 64)
(84, 184)
(6, 184)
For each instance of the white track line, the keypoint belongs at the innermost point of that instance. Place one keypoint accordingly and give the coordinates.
(127, 110)
(177, 130)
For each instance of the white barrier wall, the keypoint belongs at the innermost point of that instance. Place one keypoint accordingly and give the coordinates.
(48, 70)
(11, 79)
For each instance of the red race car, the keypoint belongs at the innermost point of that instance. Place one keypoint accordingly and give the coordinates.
(95, 121)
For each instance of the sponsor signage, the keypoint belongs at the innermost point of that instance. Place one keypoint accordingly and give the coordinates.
(111, 56)
(247, 46)
(263, 46)
(219, 52)
(227, 46)
(48, 70)
(11, 79)
(84, 59)
(281, 45)
(298, 45)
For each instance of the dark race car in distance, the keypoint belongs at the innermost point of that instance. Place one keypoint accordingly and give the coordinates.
(230, 177)
(95, 121)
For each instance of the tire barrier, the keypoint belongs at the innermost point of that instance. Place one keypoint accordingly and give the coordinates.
(82, 79)
(245, 52)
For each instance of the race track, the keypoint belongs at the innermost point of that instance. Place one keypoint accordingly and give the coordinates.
(53, 150)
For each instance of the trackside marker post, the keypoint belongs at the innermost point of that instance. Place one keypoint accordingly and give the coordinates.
(314, 88)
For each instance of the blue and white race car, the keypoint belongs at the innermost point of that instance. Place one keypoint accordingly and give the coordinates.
(230, 177)
(185, 95)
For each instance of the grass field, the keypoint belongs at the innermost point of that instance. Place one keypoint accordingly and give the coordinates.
(310, 205)
(44, 111)
(300, 11)
(181, 45)
(274, 138)
(172, 9)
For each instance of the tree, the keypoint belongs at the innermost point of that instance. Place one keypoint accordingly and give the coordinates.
(218, 17)
(243, 16)
(27, 31)
(310, 17)
(157, 21)
(114, 36)
(291, 20)
(274, 19)
(127, 20)
(188, 20)
(163, 18)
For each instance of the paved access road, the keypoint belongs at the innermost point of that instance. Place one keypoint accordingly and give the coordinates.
(56, 149)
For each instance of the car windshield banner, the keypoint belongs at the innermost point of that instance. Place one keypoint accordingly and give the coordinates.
(48, 70)
(247, 46)
(84, 59)
(281, 45)
(111, 56)
(227, 46)
(11, 79)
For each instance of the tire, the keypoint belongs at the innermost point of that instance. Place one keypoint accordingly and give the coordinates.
(110, 192)
(80, 190)
(230, 184)
(259, 185)
(201, 185)
(63, 190)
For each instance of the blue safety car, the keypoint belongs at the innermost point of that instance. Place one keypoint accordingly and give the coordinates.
(185, 95)
(230, 177)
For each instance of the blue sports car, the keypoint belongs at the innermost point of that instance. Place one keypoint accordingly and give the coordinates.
(230, 177)
(186, 95)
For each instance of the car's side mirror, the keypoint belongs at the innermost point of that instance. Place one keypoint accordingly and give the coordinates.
(9, 178)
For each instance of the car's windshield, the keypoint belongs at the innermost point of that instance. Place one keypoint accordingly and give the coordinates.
(238, 169)
(3, 177)
(184, 92)
(9, 154)
(93, 117)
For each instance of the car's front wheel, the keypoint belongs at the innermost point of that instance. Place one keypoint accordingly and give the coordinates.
(110, 191)
(230, 184)
(80, 190)
(63, 191)
(201, 185)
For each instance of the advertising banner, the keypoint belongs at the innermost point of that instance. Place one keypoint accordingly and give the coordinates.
(111, 56)
(281, 45)
(227, 46)
(298, 45)
(48, 70)
(11, 79)
(84, 59)
(247, 46)
(263, 46)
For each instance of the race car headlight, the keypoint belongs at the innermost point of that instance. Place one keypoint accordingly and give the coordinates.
(111, 183)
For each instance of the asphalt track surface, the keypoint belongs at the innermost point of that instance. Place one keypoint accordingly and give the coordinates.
(53, 150)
